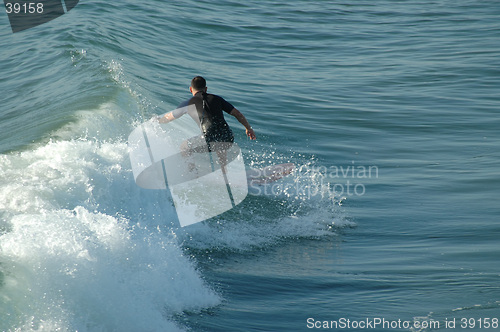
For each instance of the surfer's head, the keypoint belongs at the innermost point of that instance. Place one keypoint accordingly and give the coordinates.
(198, 84)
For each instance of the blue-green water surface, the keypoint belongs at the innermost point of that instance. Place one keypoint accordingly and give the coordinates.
(390, 110)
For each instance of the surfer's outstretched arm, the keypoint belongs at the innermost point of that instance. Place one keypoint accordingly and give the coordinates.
(241, 118)
(166, 118)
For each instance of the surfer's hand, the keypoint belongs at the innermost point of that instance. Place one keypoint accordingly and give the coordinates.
(165, 118)
(251, 133)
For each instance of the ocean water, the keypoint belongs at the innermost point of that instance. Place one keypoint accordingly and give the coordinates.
(390, 110)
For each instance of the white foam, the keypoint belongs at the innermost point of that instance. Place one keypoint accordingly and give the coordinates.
(73, 252)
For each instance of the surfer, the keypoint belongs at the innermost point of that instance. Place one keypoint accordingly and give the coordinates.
(207, 111)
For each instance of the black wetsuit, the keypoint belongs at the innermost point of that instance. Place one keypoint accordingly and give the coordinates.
(207, 113)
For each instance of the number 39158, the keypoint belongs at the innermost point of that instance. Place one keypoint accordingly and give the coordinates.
(25, 8)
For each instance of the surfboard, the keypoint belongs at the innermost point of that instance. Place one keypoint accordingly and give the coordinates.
(269, 174)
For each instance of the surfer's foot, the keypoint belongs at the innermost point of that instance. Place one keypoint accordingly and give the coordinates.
(192, 168)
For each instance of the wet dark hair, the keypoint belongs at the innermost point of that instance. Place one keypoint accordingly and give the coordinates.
(198, 83)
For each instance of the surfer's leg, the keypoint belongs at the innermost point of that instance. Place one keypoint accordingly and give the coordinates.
(196, 144)
(221, 149)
